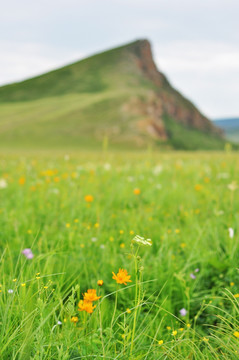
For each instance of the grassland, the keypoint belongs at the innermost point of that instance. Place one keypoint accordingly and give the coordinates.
(78, 213)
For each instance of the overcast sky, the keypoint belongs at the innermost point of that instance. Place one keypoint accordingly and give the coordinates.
(195, 42)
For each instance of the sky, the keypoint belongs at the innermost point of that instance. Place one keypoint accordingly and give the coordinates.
(195, 42)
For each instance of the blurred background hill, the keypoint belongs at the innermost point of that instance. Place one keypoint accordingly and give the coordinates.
(117, 96)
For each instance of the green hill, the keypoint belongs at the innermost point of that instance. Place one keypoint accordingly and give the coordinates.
(118, 95)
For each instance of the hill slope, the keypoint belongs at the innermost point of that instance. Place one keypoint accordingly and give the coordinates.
(118, 94)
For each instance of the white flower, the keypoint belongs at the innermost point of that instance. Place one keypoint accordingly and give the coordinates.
(94, 239)
(10, 291)
(231, 232)
(233, 186)
(3, 184)
(157, 170)
(142, 241)
(107, 166)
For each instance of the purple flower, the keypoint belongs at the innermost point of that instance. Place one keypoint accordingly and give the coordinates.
(183, 312)
(192, 276)
(196, 270)
(28, 253)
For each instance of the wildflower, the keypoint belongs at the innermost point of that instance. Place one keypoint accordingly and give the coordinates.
(122, 277)
(111, 238)
(94, 239)
(168, 327)
(122, 245)
(157, 169)
(82, 246)
(196, 270)
(90, 295)
(100, 282)
(121, 232)
(23, 284)
(198, 187)
(236, 295)
(233, 186)
(86, 306)
(76, 220)
(160, 342)
(188, 325)
(192, 276)
(28, 253)
(3, 184)
(232, 283)
(177, 231)
(183, 312)
(22, 181)
(174, 333)
(68, 225)
(131, 232)
(74, 319)
(181, 329)
(231, 232)
(128, 311)
(182, 245)
(205, 339)
(236, 334)
(10, 291)
(137, 191)
(89, 198)
(58, 323)
(102, 246)
(14, 280)
(96, 225)
(142, 241)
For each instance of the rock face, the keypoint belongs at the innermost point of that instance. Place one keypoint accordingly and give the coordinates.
(164, 99)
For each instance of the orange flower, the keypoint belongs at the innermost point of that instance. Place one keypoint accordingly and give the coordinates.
(100, 282)
(122, 277)
(89, 198)
(90, 295)
(86, 306)
(137, 191)
(74, 319)
(22, 181)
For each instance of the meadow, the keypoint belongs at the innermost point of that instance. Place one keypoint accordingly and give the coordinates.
(67, 223)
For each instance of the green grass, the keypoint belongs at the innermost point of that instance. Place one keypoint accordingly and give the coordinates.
(185, 207)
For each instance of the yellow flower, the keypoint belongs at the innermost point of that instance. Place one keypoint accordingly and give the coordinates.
(111, 238)
(174, 332)
(122, 277)
(56, 179)
(181, 329)
(76, 220)
(23, 284)
(96, 225)
(137, 191)
(74, 319)
(122, 245)
(100, 282)
(86, 306)
(131, 232)
(205, 339)
(68, 225)
(236, 334)
(160, 342)
(121, 232)
(177, 231)
(82, 246)
(89, 198)
(90, 295)
(168, 327)
(232, 283)
(182, 245)
(128, 311)
(198, 187)
(236, 295)
(188, 325)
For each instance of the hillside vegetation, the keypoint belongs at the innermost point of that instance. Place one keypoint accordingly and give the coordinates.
(117, 96)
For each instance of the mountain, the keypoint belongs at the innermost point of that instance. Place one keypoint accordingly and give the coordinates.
(230, 126)
(117, 96)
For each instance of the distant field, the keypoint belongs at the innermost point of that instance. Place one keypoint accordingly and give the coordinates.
(77, 214)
